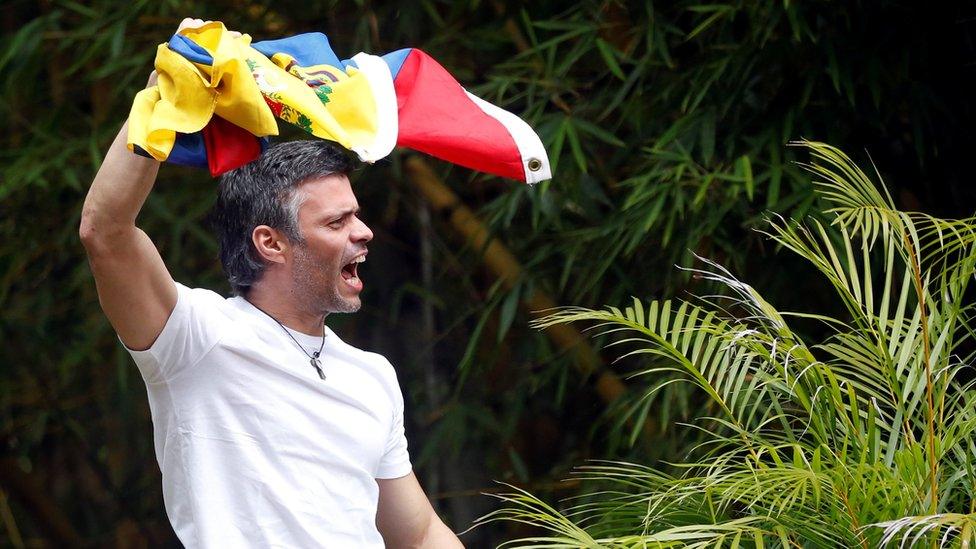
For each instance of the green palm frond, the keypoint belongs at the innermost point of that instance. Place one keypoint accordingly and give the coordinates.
(525, 508)
(860, 439)
(861, 209)
(564, 534)
(688, 340)
(948, 528)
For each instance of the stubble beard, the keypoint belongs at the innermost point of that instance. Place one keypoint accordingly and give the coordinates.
(315, 285)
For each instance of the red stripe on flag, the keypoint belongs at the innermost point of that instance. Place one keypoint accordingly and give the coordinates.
(228, 146)
(438, 118)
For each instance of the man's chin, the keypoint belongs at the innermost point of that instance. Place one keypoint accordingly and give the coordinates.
(347, 304)
(342, 297)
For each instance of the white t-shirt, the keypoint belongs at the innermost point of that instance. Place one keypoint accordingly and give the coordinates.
(255, 449)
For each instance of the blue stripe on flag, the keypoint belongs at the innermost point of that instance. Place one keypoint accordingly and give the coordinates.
(308, 49)
(395, 60)
(189, 150)
(189, 49)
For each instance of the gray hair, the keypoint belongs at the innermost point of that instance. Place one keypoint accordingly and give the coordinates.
(266, 192)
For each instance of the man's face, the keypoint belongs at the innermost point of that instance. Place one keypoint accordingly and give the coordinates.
(325, 267)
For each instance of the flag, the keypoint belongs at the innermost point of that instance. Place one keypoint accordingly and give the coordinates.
(218, 99)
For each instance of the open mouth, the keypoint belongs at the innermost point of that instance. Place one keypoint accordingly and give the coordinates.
(350, 271)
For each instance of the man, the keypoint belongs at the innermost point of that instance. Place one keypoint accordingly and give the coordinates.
(268, 429)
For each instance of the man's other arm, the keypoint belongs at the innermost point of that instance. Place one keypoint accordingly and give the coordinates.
(406, 519)
(135, 290)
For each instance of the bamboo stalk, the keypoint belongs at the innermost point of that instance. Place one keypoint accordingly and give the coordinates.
(927, 358)
(432, 479)
(31, 493)
(13, 533)
(500, 261)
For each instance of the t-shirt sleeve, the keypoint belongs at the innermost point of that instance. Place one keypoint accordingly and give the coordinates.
(191, 330)
(395, 462)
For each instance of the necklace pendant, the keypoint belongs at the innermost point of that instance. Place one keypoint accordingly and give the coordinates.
(318, 366)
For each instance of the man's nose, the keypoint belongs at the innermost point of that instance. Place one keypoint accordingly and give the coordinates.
(361, 232)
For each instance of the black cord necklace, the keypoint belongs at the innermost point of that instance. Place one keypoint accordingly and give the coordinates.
(312, 358)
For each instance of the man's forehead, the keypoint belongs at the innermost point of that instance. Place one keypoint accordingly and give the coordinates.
(329, 193)
(330, 180)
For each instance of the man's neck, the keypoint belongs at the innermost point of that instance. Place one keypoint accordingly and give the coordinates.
(287, 309)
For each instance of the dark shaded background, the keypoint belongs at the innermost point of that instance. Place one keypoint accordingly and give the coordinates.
(667, 124)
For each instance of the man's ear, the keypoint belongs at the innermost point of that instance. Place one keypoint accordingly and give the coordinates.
(270, 243)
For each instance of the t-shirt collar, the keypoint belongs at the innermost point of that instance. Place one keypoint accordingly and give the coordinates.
(303, 338)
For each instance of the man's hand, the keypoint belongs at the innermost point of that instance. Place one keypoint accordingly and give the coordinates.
(406, 520)
(188, 23)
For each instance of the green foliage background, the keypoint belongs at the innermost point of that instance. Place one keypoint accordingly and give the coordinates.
(666, 123)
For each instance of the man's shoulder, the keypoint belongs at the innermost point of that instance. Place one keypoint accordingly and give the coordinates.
(352, 350)
(203, 305)
(368, 358)
(202, 296)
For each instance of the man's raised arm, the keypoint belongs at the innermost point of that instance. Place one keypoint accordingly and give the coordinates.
(135, 290)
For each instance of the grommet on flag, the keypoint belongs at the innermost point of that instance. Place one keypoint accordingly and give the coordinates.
(219, 96)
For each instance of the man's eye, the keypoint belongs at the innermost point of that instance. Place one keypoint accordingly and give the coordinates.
(336, 223)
